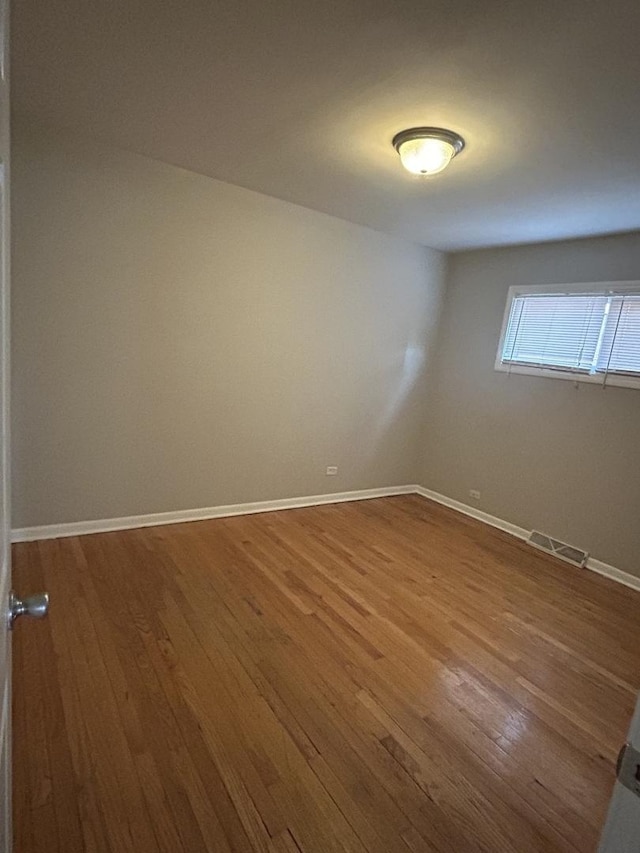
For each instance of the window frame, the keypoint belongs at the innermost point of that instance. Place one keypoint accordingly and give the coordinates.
(619, 380)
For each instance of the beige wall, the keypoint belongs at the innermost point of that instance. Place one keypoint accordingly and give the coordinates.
(179, 342)
(543, 453)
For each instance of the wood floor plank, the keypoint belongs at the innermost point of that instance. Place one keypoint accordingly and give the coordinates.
(377, 677)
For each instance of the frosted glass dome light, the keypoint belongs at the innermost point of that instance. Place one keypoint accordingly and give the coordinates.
(427, 150)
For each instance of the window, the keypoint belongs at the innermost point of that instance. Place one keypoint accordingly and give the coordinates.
(588, 332)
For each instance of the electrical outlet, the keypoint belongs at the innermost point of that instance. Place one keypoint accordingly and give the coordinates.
(332, 470)
(475, 494)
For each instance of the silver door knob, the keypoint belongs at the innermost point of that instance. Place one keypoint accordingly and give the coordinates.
(33, 605)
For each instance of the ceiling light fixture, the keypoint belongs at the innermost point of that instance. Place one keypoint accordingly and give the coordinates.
(427, 150)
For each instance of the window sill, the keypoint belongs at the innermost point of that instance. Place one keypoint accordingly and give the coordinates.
(613, 379)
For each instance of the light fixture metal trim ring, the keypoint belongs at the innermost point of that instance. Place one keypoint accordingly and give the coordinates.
(454, 139)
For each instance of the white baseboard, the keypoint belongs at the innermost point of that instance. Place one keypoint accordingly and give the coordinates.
(592, 564)
(613, 573)
(105, 525)
(513, 529)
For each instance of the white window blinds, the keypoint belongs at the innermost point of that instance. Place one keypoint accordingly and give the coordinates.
(586, 333)
(620, 351)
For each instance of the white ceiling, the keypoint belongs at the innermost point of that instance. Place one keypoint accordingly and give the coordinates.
(299, 99)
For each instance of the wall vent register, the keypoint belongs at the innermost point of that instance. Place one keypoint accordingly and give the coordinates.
(568, 553)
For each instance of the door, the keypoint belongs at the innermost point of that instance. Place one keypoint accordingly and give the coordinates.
(10, 606)
(5, 558)
(621, 832)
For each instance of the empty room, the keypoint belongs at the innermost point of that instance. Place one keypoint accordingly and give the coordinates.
(320, 427)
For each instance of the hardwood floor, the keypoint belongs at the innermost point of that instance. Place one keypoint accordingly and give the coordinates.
(383, 676)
